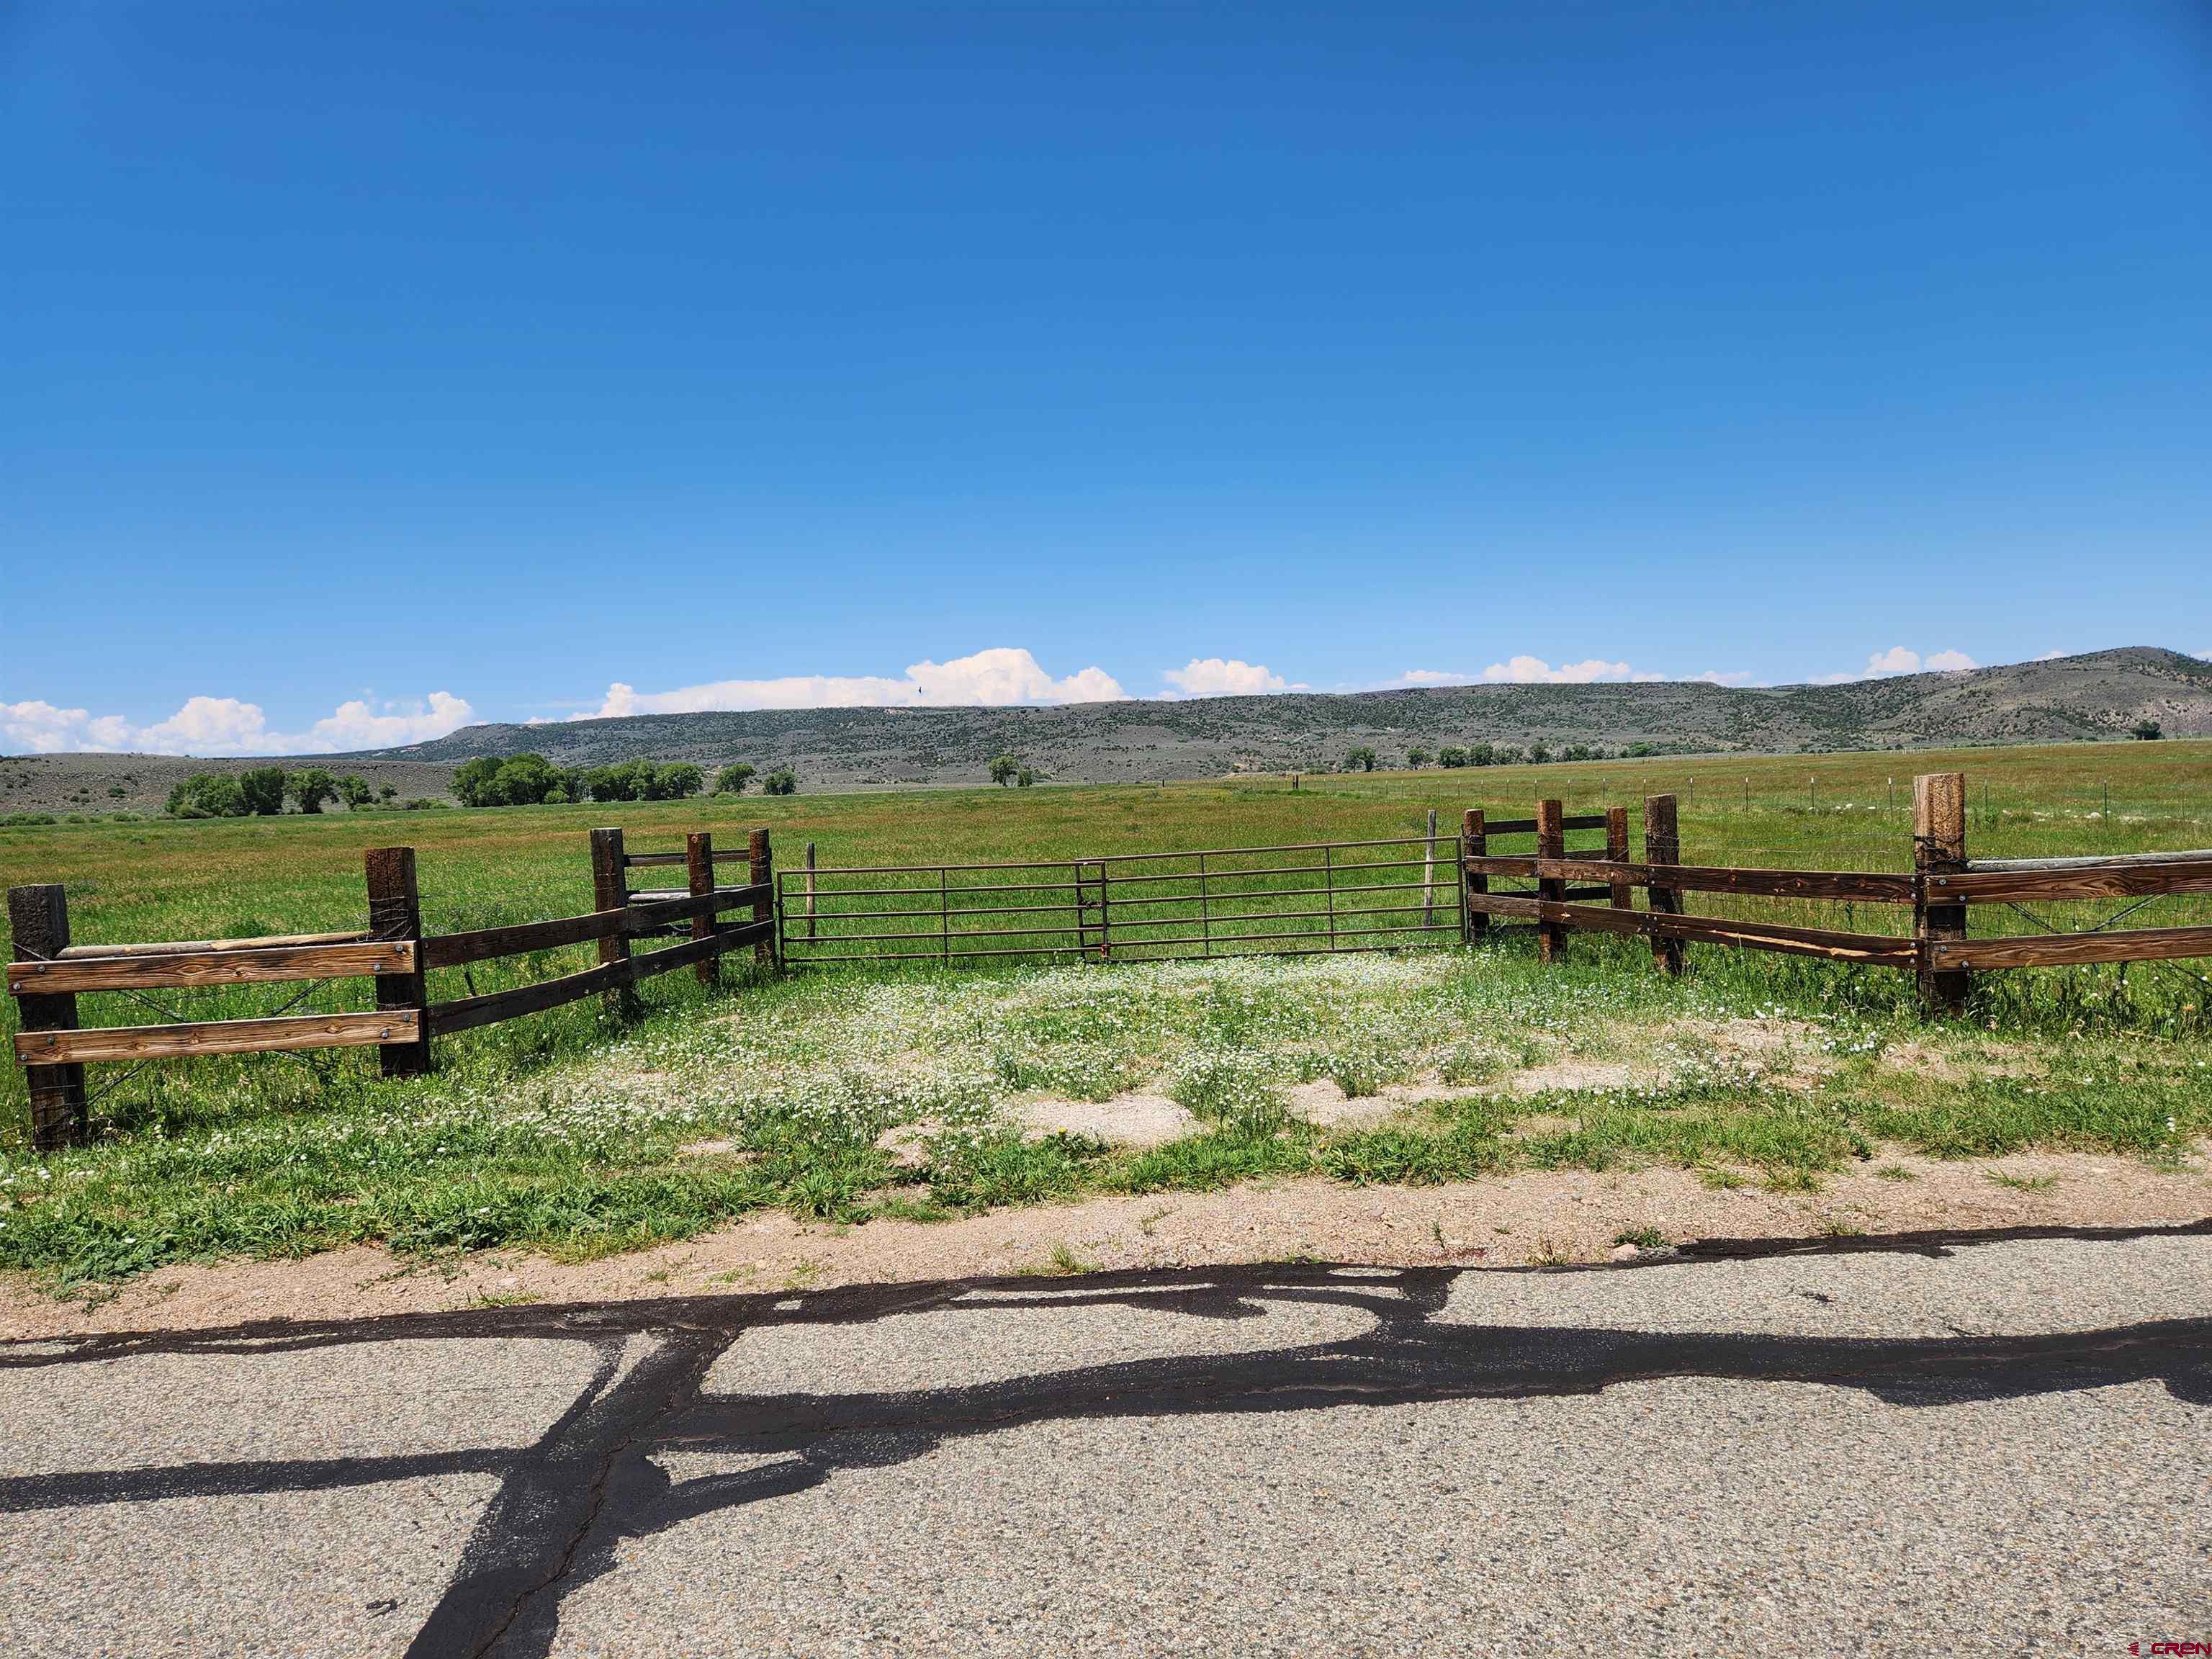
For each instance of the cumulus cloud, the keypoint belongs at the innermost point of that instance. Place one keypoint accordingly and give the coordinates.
(1898, 660)
(1534, 670)
(992, 679)
(1219, 676)
(227, 725)
(1901, 659)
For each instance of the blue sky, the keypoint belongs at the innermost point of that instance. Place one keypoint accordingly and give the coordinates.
(370, 370)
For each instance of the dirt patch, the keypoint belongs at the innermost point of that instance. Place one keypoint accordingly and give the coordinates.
(1323, 1103)
(1130, 1120)
(909, 1143)
(1542, 1217)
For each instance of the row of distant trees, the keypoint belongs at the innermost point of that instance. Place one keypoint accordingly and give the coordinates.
(264, 791)
(1364, 759)
(488, 781)
(534, 780)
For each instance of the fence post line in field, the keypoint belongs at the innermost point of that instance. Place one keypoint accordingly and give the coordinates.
(1429, 874)
(610, 891)
(1616, 852)
(1663, 844)
(39, 918)
(395, 912)
(1551, 843)
(1473, 843)
(1939, 849)
(760, 870)
(699, 878)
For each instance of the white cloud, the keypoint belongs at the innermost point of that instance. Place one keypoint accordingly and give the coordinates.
(2048, 656)
(1218, 677)
(1900, 659)
(1734, 676)
(226, 725)
(990, 679)
(1534, 670)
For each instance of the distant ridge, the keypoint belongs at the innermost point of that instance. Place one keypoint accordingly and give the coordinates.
(2100, 694)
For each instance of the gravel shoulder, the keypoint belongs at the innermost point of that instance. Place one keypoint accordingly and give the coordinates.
(1540, 1219)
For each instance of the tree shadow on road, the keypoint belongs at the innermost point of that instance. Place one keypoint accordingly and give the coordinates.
(565, 1504)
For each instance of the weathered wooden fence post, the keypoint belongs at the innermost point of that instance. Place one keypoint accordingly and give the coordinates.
(810, 892)
(760, 870)
(39, 918)
(1939, 849)
(1663, 844)
(1473, 843)
(699, 878)
(1551, 843)
(395, 912)
(610, 891)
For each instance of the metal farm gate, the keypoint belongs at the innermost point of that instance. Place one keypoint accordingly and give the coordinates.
(1406, 892)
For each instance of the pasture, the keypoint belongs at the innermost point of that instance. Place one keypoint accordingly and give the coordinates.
(858, 1094)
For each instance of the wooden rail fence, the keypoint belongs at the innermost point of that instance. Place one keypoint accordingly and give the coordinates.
(1322, 896)
(49, 973)
(1939, 889)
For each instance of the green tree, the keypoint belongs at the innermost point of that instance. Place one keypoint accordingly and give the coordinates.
(1004, 770)
(475, 781)
(264, 789)
(1025, 777)
(678, 780)
(2146, 731)
(387, 792)
(1417, 758)
(732, 779)
(353, 790)
(524, 780)
(610, 782)
(208, 795)
(310, 787)
(1451, 756)
(781, 781)
(1361, 759)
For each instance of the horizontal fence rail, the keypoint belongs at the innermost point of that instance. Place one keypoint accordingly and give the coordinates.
(1938, 891)
(393, 953)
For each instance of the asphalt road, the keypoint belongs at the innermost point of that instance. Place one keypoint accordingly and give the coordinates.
(1902, 1446)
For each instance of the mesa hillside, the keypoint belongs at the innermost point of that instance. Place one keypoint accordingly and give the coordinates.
(2100, 696)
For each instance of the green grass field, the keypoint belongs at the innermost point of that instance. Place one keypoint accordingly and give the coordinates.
(564, 1131)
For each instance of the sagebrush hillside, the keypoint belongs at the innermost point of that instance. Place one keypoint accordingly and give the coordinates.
(2100, 696)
